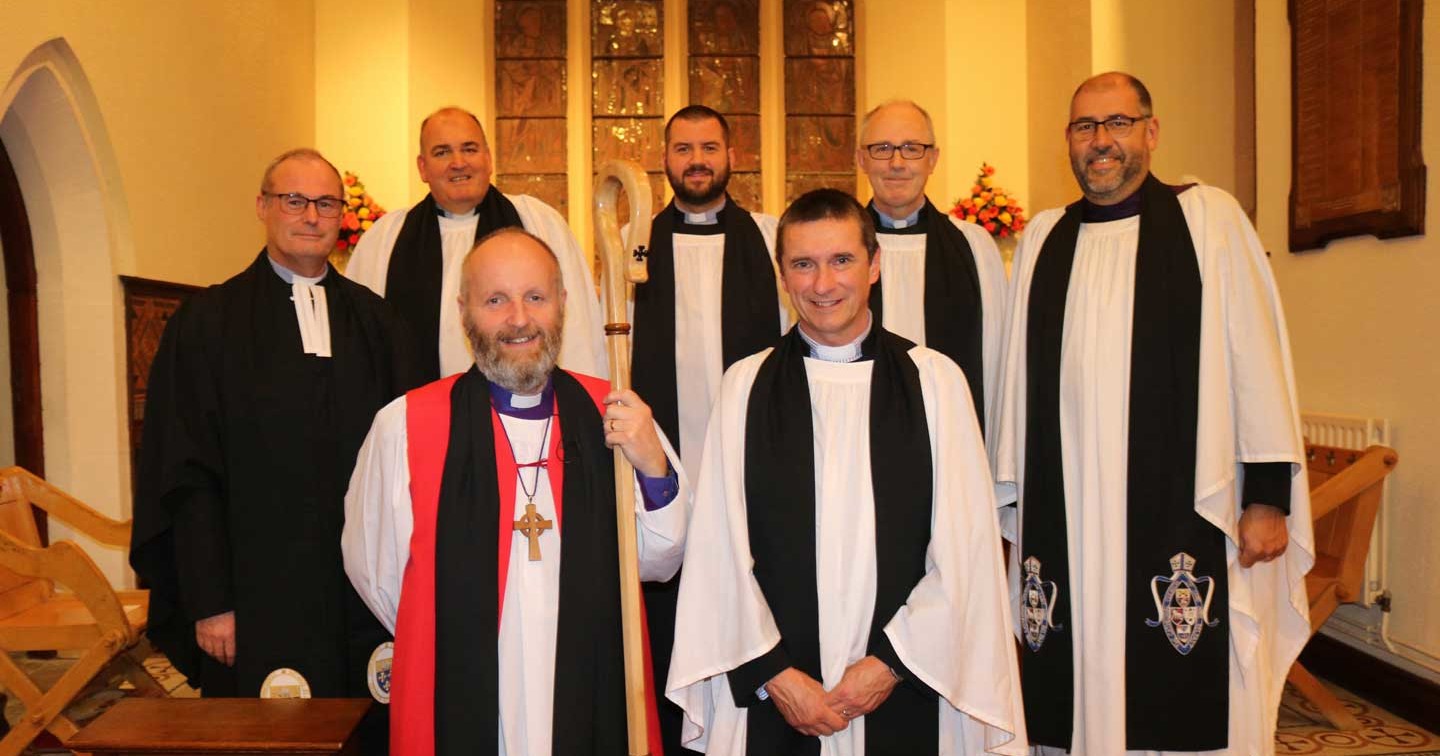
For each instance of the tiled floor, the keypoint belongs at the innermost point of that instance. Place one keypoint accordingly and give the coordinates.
(1302, 730)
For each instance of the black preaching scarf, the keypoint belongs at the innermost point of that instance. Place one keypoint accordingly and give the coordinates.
(749, 322)
(589, 675)
(780, 496)
(749, 312)
(954, 311)
(417, 266)
(1174, 701)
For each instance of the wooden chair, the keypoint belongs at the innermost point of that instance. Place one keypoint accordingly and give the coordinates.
(1345, 487)
(106, 627)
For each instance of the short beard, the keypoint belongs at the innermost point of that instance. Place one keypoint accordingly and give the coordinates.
(1129, 169)
(719, 181)
(514, 375)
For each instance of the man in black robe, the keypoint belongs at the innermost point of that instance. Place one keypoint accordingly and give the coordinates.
(260, 394)
(712, 299)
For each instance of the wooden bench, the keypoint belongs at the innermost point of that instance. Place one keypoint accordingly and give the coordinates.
(1345, 488)
(106, 627)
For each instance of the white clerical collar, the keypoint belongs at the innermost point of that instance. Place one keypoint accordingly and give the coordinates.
(312, 313)
(906, 222)
(291, 277)
(707, 218)
(474, 211)
(843, 353)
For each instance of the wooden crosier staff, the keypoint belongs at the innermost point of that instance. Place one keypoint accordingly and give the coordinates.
(622, 264)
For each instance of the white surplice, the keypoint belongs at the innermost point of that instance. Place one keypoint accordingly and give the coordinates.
(902, 284)
(952, 632)
(699, 358)
(376, 545)
(1248, 412)
(582, 349)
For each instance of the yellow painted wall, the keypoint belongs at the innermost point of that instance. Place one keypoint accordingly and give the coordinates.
(196, 97)
(1360, 314)
(362, 94)
(964, 62)
(1058, 54)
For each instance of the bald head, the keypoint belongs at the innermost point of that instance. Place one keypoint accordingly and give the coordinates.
(898, 182)
(1111, 80)
(501, 254)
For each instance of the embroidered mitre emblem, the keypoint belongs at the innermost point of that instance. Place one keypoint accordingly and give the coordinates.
(1184, 609)
(1037, 605)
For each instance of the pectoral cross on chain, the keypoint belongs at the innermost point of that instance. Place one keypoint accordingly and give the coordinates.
(532, 525)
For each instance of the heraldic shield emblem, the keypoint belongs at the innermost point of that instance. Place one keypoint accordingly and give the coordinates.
(1037, 606)
(1184, 609)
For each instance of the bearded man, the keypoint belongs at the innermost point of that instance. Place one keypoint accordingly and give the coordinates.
(527, 449)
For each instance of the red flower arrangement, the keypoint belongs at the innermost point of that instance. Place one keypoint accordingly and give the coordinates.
(361, 212)
(990, 207)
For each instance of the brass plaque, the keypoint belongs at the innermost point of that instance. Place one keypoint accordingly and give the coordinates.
(530, 29)
(627, 28)
(729, 84)
(552, 189)
(530, 88)
(638, 139)
(530, 145)
(628, 86)
(724, 27)
(820, 144)
(819, 86)
(819, 27)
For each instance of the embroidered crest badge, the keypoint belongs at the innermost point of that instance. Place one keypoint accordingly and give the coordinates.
(1037, 609)
(378, 671)
(1184, 609)
(285, 683)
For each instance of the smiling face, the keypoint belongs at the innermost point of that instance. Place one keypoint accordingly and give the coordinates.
(454, 160)
(1109, 169)
(697, 163)
(899, 184)
(300, 242)
(512, 306)
(827, 272)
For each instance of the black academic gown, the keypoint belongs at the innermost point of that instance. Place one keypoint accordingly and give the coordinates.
(247, 453)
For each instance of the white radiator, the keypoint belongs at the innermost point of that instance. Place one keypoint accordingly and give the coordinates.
(1358, 433)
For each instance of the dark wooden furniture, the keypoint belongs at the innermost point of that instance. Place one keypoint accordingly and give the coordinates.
(174, 726)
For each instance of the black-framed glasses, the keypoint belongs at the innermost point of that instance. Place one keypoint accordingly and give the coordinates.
(908, 150)
(294, 203)
(1084, 129)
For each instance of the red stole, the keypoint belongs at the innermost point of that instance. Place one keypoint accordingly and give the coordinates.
(412, 677)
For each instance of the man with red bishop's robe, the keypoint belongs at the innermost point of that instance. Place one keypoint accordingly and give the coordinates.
(517, 493)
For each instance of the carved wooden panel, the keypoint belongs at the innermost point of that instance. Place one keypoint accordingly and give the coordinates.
(530, 100)
(1356, 166)
(148, 307)
(819, 95)
(725, 75)
(627, 80)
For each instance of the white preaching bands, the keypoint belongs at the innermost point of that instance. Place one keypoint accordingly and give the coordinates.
(313, 316)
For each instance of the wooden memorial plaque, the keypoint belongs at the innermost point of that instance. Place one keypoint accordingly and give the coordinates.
(174, 726)
(1356, 163)
(148, 307)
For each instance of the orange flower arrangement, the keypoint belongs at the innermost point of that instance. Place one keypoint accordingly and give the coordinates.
(361, 212)
(989, 206)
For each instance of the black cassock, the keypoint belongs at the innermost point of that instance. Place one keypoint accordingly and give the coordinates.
(247, 453)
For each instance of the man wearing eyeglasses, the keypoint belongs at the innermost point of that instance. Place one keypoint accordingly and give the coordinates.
(1148, 424)
(259, 397)
(942, 282)
(412, 257)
